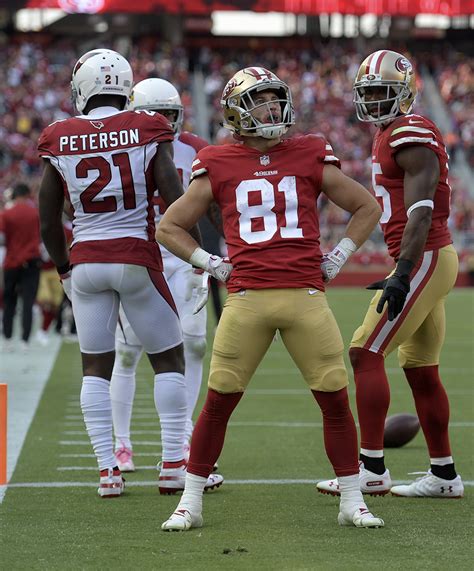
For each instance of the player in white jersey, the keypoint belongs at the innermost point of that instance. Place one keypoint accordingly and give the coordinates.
(107, 162)
(188, 286)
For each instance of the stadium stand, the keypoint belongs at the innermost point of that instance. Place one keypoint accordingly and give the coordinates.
(36, 74)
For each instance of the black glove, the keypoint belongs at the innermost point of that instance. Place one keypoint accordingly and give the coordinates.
(395, 289)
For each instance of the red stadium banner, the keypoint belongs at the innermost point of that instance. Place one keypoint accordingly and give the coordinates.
(309, 7)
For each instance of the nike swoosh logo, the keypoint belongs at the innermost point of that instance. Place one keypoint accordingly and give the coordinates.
(312, 291)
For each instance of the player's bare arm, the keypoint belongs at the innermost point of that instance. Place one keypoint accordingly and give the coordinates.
(173, 231)
(421, 178)
(354, 198)
(51, 204)
(167, 180)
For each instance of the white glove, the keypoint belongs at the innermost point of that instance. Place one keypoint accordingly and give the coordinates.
(66, 282)
(218, 267)
(197, 284)
(333, 261)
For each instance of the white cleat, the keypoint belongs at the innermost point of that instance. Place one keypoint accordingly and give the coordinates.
(213, 482)
(182, 520)
(111, 483)
(430, 486)
(172, 480)
(124, 457)
(359, 517)
(370, 484)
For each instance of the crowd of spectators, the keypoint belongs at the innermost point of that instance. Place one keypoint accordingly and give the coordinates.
(35, 76)
(456, 81)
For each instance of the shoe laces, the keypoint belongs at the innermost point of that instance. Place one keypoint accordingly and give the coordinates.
(123, 454)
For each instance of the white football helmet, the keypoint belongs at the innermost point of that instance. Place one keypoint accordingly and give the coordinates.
(158, 95)
(100, 72)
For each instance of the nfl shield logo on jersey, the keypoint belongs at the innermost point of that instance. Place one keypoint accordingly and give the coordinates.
(264, 160)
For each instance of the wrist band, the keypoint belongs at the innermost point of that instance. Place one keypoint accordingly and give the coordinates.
(428, 203)
(199, 258)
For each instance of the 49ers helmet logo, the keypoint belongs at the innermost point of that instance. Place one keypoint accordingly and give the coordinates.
(402, 64)
(228, 88)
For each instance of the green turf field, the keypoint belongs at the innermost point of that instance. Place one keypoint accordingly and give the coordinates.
(275, 437)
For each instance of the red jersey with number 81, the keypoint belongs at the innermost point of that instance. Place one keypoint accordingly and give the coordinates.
(268, 203)
(388, 177)
(105, 160)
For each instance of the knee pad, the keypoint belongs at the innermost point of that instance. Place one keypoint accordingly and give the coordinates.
(126, 358)
(196, 346)
(333, 379)
(226, 381)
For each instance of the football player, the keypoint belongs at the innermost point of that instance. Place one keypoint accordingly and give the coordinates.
(187, 284)
(267, 189)
(108, 162)
(410, 180)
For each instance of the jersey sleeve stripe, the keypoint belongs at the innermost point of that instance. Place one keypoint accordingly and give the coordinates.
(195, 163)
(198, 172)
(411, 129)
(413, 140)
(330, 158)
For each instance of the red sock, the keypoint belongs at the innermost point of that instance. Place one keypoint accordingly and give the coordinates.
(432, 406)
(209, 432)
(372, 396)
(340, 434)
(48, 317)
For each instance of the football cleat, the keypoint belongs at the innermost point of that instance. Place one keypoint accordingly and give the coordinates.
(182, 520)
(370, 484)
(359, 517)
(172, 480)
(430, 486)
(124, 459)
(111, 483)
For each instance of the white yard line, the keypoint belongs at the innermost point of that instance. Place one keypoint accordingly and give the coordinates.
(88, 442)
(152, 483)
(26, 375)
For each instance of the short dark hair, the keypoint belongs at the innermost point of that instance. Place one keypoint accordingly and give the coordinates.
(20, 189)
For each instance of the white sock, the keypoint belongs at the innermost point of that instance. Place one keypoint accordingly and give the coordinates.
(122, 392)
(97, 410)
(194, 351)
(349, 488)
(191, 499)
(442, 461)
(372, 453)
(170, 402)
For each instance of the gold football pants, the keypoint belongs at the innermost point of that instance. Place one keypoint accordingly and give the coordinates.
(419, 330)
(307, 327)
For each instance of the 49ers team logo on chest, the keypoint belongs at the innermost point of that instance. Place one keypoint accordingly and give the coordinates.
(264, 160)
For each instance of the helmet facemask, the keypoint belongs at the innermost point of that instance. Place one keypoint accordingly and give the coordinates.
(245, 106)
(379, 111)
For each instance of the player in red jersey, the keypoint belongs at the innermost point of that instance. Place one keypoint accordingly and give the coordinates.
(108, 162)
(267, 190)
(410, 180)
